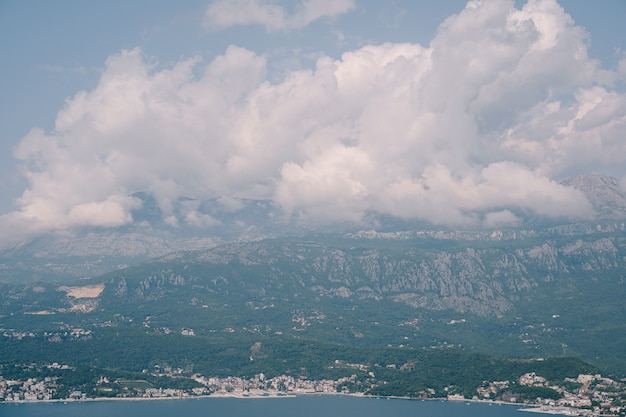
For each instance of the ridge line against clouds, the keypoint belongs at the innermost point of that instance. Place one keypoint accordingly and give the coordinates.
(472, 128)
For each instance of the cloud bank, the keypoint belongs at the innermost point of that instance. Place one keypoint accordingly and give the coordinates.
(477, 125)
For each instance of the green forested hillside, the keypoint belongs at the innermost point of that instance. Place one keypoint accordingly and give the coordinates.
(442, 312)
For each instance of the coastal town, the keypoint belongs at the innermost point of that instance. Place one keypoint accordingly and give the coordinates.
(586, 395)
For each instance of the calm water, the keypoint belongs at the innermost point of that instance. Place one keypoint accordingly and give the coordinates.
(302, 406)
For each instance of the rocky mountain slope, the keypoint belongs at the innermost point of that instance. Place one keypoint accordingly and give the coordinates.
(524, 296)
(548, 290)
(466, 277)
(606, 194)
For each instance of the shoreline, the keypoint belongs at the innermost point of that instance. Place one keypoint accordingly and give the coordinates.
(558, 410)
(530, 408)
(266, 394)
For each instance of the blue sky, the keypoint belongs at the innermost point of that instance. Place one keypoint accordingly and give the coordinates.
(274, 60)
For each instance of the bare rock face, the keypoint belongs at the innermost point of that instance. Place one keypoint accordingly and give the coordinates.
(605, 193)
(485, 278)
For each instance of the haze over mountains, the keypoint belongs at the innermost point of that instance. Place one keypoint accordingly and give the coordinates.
(606, 194)
(87, 251)
(547, 287)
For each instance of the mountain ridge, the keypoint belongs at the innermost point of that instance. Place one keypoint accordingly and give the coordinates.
(525, 298)
(89, 252)
(605, 193)
(526, 292)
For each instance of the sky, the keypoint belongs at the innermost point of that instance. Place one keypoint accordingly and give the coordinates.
(450, 112)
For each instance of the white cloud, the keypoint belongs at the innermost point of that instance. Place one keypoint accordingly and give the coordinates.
(270, 14)
(111, 212)
(332, 185)
(476, 126)
(502, 218)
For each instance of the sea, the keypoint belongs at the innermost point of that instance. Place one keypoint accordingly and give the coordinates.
(297, 406)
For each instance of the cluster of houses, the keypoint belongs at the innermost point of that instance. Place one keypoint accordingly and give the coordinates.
(259, 385)
(584, 395)
(31, 389)
(588, 394)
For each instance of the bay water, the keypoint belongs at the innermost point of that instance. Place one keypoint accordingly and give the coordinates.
(299, 406)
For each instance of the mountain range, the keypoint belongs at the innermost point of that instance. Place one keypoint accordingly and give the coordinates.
(86, 252)
(553, 289)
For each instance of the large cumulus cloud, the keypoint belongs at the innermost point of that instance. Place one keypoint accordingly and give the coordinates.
(477, 125)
